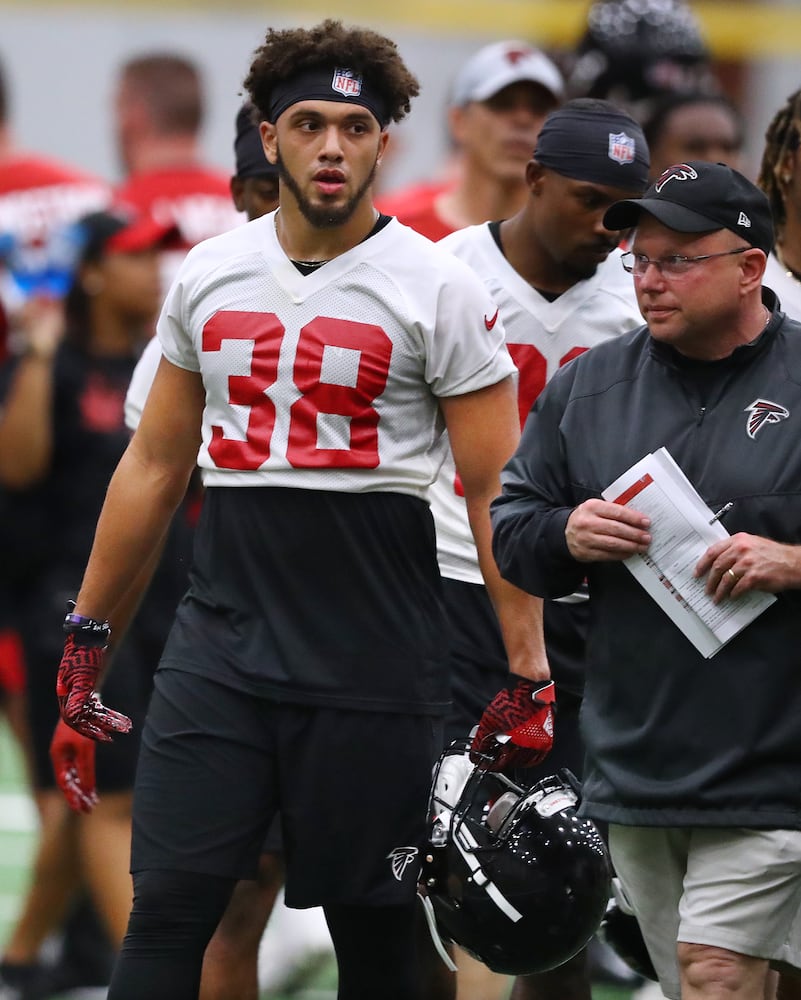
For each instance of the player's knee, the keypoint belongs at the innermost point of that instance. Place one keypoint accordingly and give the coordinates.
(704, 967)
(173, 909)
(242, 925)
(270, 872)
(368, 941)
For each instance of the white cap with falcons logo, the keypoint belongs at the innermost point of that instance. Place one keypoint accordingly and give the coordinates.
(498, 65)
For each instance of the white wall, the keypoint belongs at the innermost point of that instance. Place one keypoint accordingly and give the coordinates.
(61, 70)
(61, 67)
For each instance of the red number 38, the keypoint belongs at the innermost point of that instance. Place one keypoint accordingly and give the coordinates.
(354, 402)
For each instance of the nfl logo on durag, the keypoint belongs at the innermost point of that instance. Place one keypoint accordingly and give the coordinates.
(344, 82)
(621, 147)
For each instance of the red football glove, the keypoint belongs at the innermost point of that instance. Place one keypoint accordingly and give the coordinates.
(73, 758)
(516, 729)
(78, 701)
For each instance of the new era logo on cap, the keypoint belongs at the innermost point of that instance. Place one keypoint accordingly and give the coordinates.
(743, 220)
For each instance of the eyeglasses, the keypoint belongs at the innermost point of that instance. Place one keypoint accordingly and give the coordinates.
(669, 267)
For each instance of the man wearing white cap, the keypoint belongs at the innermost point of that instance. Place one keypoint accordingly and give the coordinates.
(499, 100)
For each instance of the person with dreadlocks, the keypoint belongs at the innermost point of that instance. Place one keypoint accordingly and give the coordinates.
(780, 179)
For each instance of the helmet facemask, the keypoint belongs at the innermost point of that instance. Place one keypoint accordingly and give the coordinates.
(512, 873)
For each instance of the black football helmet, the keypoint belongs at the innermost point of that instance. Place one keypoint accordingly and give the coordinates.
(635, 51)
(621, 931)
(511, 872)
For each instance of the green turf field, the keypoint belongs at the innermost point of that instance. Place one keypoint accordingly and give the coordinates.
(17, 830)
(17, 838)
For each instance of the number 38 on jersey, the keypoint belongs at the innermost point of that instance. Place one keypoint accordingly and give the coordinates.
(340, 368)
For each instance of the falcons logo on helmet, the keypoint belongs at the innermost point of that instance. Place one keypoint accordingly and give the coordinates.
(401, 858)
(678, 172)
(762, 412)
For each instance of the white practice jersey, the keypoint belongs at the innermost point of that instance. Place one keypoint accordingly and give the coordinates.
(541, 336)
(782, 282)
(330, 380)
(141, 380)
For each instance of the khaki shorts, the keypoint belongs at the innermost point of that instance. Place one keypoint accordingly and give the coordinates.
(728, 888)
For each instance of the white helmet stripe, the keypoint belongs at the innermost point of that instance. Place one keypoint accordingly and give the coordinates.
(466, 844)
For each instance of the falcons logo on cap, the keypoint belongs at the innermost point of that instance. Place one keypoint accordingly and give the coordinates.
(762, 412)
(514, 56)
(678, 172)
(401, 858)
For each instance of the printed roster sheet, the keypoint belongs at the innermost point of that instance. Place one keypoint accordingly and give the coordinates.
(682, 529)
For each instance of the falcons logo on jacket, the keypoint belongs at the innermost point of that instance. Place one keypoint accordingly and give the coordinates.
(762, 412)
(401, 858)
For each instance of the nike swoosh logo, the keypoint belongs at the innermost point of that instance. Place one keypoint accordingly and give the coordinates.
(490, 323)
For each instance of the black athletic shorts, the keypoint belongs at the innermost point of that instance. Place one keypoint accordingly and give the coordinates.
(216, 764)
(479, 669)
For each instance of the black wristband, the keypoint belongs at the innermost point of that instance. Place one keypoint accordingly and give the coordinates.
(89, 628)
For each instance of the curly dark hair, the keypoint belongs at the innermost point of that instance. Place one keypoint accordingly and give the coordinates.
(287, 52)
(783, 135)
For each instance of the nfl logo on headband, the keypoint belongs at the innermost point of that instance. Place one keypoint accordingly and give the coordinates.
(347, 83)
(621, 147)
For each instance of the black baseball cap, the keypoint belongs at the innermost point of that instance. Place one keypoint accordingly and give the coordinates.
(699, 197)
(248, 150)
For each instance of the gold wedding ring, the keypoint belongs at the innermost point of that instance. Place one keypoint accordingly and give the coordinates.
(733, 575)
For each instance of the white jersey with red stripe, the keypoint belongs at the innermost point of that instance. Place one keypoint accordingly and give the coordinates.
(781, 281)
(38, 197)
(193, 197)
(329, 380)
(541, 336)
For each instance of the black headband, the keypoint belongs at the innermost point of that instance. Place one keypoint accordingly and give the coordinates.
(594, 145)
(248, 150)
(342, 85)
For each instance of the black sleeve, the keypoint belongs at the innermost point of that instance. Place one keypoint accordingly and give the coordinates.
(530, 515)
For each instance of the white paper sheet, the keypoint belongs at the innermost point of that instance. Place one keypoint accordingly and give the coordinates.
(682, 529)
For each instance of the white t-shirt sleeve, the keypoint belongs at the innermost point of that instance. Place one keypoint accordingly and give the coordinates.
(140, 383)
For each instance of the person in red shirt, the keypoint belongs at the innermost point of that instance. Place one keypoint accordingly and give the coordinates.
(39, 195)
(499, 100)
(159, 110)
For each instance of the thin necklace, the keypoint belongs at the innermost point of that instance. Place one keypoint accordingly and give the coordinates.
(314, 263)
(301, 263)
